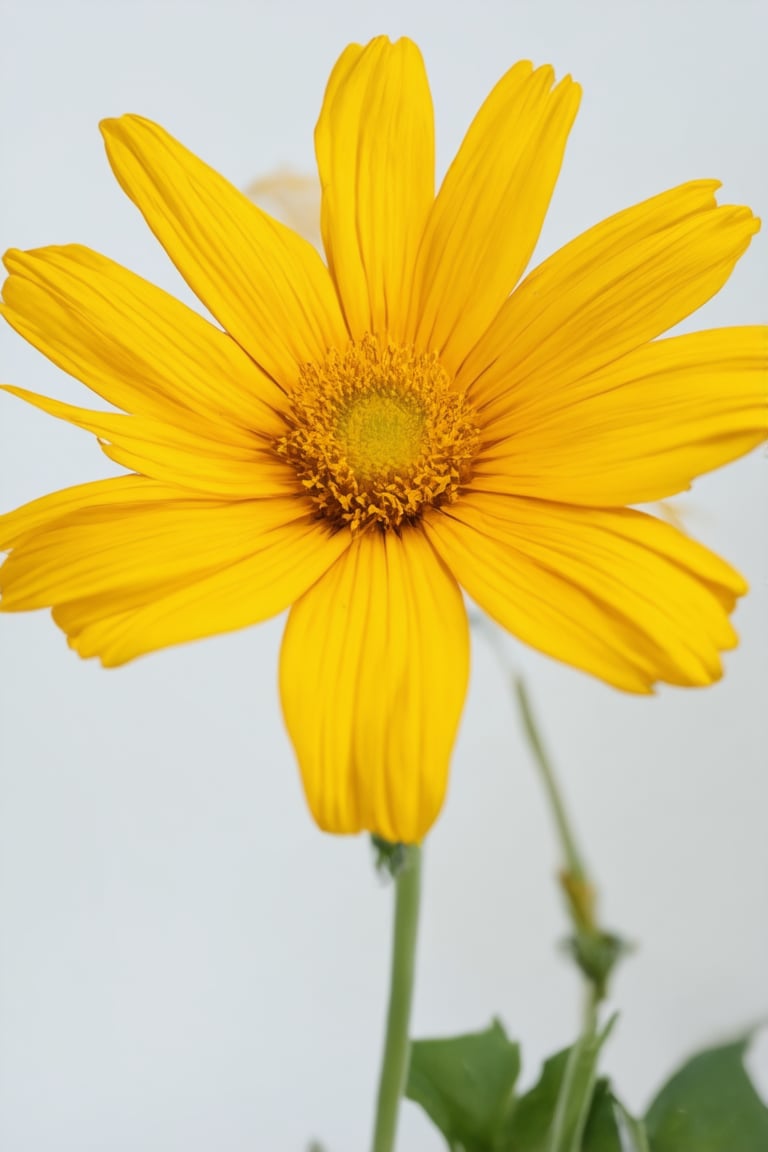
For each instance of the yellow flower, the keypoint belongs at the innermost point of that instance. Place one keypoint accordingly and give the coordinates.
(364, 439)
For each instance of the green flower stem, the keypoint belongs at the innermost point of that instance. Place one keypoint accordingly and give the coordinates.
(573, 860)
(574, 878)
(595, 951)
(394, 1065)
(577, 1089)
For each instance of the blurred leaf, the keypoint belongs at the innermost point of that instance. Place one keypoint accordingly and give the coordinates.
(465, 1085)
(576, 1092)
(528, 1125)
(553, 1115)
(610, 1128)
(710, 1105)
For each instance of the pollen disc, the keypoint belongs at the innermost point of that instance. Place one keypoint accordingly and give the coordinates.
(376, 434)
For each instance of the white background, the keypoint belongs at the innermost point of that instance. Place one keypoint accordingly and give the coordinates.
(186, 963)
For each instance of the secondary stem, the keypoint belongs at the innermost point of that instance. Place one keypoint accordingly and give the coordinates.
(573, 860)
(395, 1059)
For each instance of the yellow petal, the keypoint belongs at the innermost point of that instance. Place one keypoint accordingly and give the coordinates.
(120, 490)
(618, 594)
(128, 580)
(375, 153)
(638, 430)
(281, 565)
(373, 675)
(623, 282)
(488, 214)
(135, 345)
(162, 451)
(265, 284)
(113, 548)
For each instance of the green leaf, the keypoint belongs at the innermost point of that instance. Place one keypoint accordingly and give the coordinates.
(528, 1125)
(553, 1115)
(576, 1092)
(465, 1085)
(709, 1105)
(610, 1128)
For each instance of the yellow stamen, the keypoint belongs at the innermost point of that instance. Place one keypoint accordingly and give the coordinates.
(377, 434)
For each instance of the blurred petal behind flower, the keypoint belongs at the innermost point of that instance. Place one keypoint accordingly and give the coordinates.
(291, 197)
(365, 438)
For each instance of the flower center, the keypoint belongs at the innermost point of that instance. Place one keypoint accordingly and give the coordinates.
(376, 434)
(381, 432)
